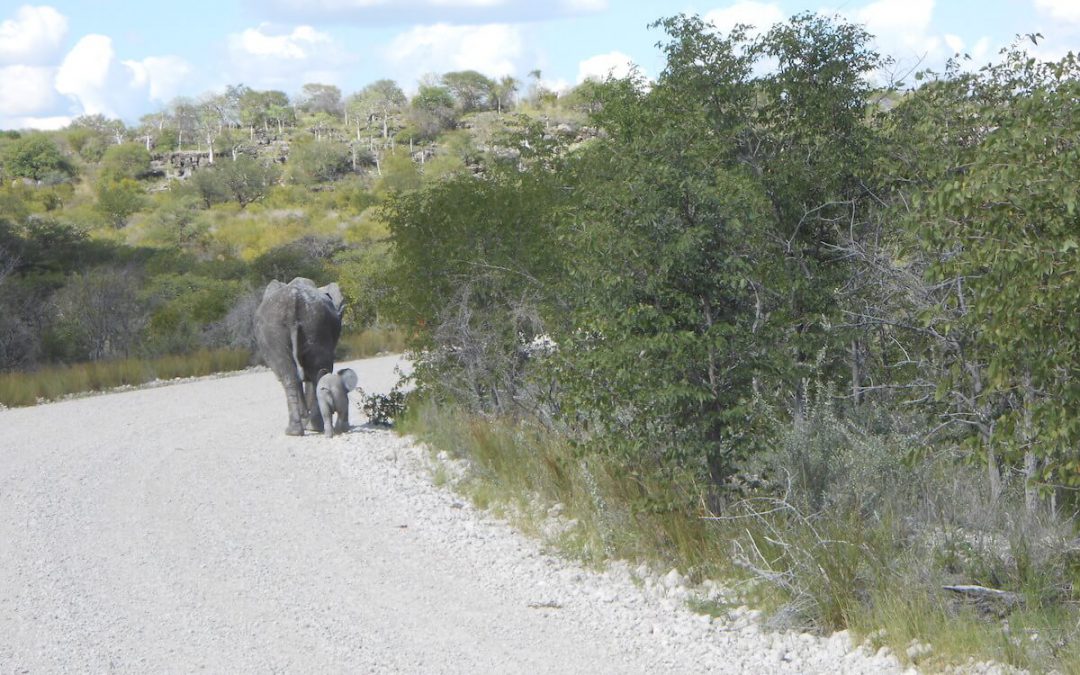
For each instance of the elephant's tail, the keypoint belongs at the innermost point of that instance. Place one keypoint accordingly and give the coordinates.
(294, 336)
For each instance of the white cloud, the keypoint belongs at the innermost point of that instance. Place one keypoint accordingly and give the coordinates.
(760, 15)
(583, 6)
(97, 83)
(299, 45)
(34, 37)
(1061, 10)
(263, 58)
(26, 90)
(462, 3)
(599, 67)
(492, 49)
(162, 75)
(902, 28)
(407, 12)
(30, 122)
(84, 74)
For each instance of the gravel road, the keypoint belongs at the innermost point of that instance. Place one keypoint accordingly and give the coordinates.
(176, 528)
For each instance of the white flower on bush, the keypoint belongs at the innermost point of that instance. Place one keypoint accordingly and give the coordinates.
(540, 345)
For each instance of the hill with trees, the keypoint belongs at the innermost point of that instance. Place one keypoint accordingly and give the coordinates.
(779, 322)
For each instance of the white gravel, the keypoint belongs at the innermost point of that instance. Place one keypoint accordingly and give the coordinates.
(177, 528)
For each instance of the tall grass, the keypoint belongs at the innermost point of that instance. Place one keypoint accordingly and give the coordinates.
(370, 342)
(847, 526)
(53, 382)
(615, 513)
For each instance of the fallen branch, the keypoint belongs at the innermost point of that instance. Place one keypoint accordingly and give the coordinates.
(984, 595)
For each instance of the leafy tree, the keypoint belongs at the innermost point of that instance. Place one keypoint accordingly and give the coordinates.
(209, 184)
(260, 108)
(37, 157)
(127, 160)
(118, 200)
(112, 129)
(469, 89)
(184, 116)
(380, 99)
(317, 162)
(320, 98)
(154, 129)
(308, 256)
(323, 125)
(183, 307)
(399, 174)
(175, 223)
(671, 266)
(470, 257)
(247, 180)
(502, 92)
(1003, 222)
(101, 314)
(215, 114)
(813, 150)
(432, 110)
(363, 274)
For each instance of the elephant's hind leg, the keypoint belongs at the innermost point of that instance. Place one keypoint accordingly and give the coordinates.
(311, 406)
(295, 398)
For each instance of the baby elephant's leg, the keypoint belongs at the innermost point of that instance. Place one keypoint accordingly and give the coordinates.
(326, 407)
(341, 406)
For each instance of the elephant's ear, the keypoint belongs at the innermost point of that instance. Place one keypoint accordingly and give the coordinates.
(271, 287)
(348, 378)
(333, 291)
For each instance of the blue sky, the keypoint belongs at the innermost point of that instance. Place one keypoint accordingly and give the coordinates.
(125, 58)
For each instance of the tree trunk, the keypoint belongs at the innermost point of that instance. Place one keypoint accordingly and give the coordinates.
(856, 371)
(1031, 461)
(993, 474)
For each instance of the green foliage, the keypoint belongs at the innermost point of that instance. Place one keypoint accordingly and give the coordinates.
(307, 257)
(118, 200)
(36, 157)
(320, 98)
(999, 218)
(317, 162)
(127, 160)
(383, 409)
(363, 274)
(470, 89)
(101, 314)
(470, 259)
(432, 111)
(210, 187)
(177, 223)
(183, 305)
(246, 180)
(399, 174)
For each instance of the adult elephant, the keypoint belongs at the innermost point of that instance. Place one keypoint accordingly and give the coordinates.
(297, 326)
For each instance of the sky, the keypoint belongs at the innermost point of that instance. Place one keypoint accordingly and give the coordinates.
(127, 58)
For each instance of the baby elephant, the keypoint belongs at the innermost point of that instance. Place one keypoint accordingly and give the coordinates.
(332, 393)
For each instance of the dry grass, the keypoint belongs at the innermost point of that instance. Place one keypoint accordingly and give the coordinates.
(53, 382)
(370, 342)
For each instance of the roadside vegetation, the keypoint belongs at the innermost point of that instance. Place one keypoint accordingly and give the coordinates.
(764, 318)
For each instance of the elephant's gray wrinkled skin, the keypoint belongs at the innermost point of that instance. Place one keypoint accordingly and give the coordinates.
(297, 326)
(332, 393)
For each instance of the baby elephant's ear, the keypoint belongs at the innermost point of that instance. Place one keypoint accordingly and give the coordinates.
(337, 299)
(348, 378)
